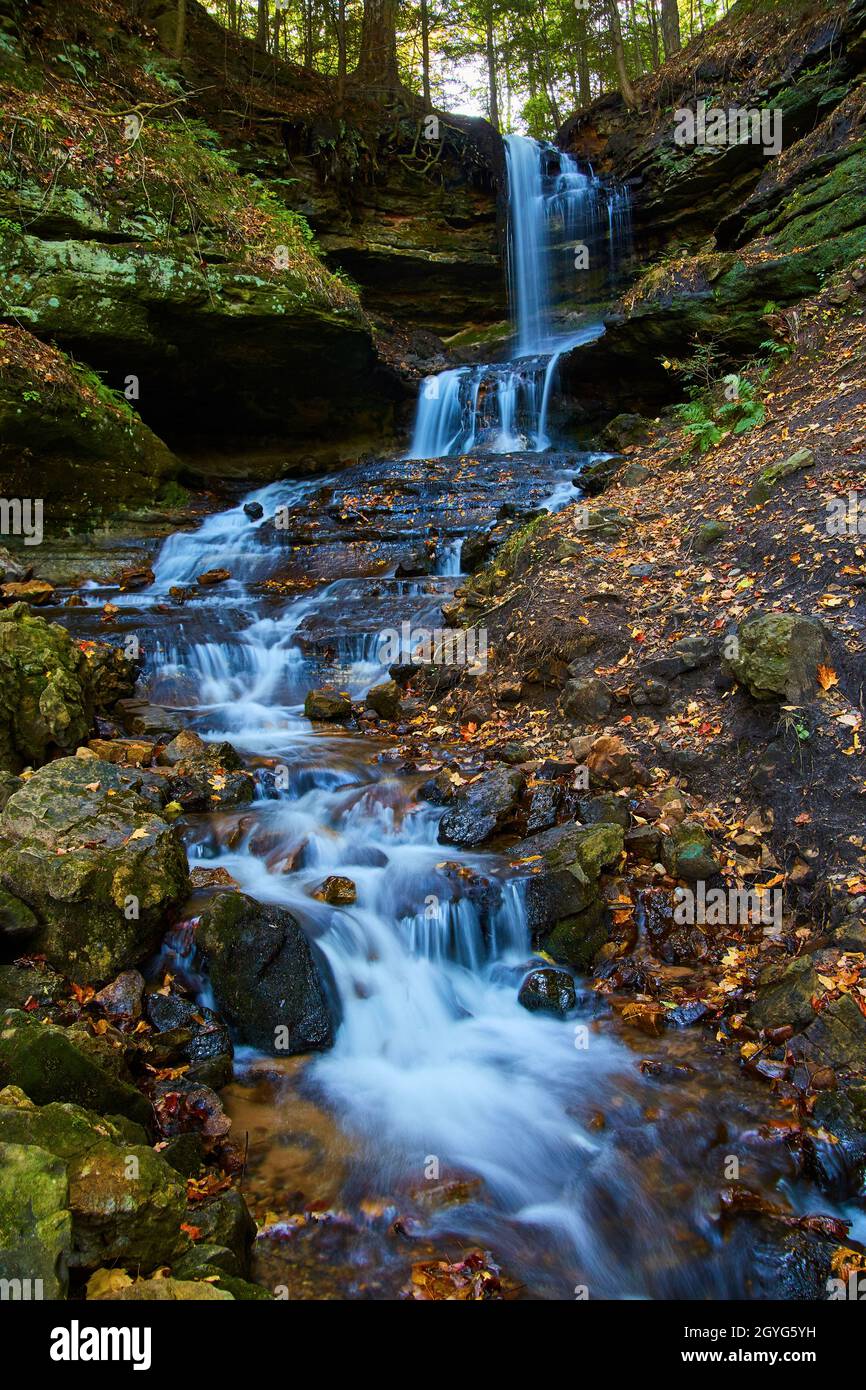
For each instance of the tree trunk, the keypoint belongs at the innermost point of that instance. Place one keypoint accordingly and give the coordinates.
(180, 31)
(671, 27)
(654, 32)
(377, 59)
(262, 23)
(425, 54)
(308, 35)
(341, 47)
(635, 38)
(629, 95)
(583, 83)
(492, 98)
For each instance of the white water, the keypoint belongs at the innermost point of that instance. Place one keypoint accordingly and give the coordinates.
(553, 209)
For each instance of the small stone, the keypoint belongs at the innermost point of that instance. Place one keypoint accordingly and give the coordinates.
(122, 998)
(336, 890)
(218, 576)
(254, 510)
(548, 990)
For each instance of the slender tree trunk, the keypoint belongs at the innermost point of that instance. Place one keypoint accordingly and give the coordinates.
(180, 31)
(629, 95)
(652, 17)
(492, 97)
(341, 47)
(308, 35)
(671, 27)
(583, 81)
(262, 25)
(377, 59)
(425, 54)
(635, 37)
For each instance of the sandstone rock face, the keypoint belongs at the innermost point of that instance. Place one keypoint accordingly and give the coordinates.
(83, 847)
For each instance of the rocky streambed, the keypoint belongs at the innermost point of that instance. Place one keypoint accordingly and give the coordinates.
(301, 1006)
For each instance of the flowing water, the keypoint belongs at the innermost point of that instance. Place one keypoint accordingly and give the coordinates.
(579, 1171)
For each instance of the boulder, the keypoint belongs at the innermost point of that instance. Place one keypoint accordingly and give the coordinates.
(204, 775)
(586, 700)
(327, 705)
(785, 996)
(384, 700)
(122, 998)
(126, 1204)
(626, 429)
(264, 974)
(169, 1291)
(708, 535)
(548, 990)
(562, 867)
(687, 852)
(83, 848)
(192, 1035)
(48, 1066)
(46, 705)
(482, 807)
(778, 656)
(35, 1222)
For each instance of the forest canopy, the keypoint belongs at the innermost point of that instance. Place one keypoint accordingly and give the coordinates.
(524, 64)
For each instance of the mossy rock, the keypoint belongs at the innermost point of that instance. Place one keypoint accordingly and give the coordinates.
(47, 1066)
(770, 478)
(102, 903)
(577, 940)
(778, 656)
(35, 1221)
(708, 535)
(687, 852)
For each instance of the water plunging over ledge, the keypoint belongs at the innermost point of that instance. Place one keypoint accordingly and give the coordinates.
(558, 217)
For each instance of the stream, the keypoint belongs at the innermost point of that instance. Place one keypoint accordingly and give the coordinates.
(446, 1116)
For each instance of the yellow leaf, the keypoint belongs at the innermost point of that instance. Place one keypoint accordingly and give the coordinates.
(827, 677)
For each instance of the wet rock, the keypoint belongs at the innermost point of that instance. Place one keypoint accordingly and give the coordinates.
(131, 580)
(779, 654)
(218, 576)
(587, 700)
(204, 775)
(126, 752)
(543, 807)
(35, 1222)
(122, 998)
(42, 1060)
(205, 1259)
(264, 975)
(199, 1037)
(327, 705)
(439, 789)
(687, 852)
(414, 564)
(770, 478)
(562, 868)
(226, 1221)
(33, 591)
(254, 510)
(104, 900)
(336, 890)
(548, 990)
(514, 753)
(384, 700)
(482, 807)
(212, 878)
(187, 1106)
(122, 1218)
(785, 994)
(837, 1037)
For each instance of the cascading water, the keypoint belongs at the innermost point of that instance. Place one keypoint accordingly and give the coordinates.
(561, 223)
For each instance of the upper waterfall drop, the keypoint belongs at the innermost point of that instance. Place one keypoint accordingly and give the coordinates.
(555, 210)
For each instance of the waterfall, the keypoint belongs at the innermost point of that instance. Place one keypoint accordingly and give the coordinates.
(563, 223)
